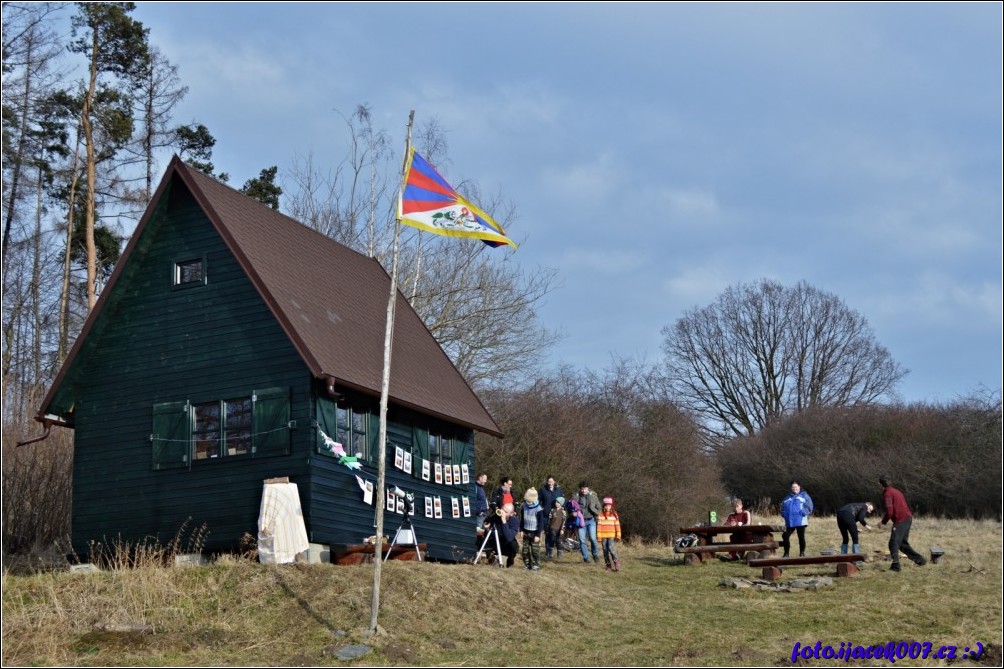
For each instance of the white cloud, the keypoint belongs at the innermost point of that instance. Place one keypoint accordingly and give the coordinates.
(605, 262)
(587, 183)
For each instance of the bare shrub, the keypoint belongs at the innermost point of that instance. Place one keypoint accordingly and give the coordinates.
(618, 431)
(119, 554)
(37, 487)
(946, 458)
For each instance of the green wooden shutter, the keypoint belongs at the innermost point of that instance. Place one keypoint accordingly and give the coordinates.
(327, 421)
(373, 437)
(271, 422)
(461, 451)
(420, 443)
(171, 437)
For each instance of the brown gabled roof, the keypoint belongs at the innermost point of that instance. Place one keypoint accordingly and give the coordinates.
(332, 303)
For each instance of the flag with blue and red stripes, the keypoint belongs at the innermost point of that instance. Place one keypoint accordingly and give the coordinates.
(429, 203)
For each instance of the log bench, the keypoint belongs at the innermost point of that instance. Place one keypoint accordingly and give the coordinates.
(363, 553)
(698, 554)
(771, 566)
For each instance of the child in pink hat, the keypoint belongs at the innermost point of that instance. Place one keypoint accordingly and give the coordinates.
(608, 530)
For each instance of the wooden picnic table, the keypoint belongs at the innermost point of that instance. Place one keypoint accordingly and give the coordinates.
(709, 541)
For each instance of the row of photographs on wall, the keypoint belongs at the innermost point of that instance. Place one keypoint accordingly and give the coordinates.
(433, 505)
(431, 471)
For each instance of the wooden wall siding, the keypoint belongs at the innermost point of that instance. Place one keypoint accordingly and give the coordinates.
(339, 516)
(158, 344)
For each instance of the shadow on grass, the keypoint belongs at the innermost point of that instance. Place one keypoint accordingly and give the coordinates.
(304, 604)
(662, 562)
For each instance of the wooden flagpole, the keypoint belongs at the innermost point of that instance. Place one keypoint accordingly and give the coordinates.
(384, 392)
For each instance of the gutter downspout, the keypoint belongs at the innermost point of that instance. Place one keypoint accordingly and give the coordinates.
(48, 423)
(329, 386)
(45, 435)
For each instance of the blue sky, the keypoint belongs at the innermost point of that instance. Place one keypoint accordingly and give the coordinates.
(659, 153)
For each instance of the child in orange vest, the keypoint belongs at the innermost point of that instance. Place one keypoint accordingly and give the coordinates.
(608, 530)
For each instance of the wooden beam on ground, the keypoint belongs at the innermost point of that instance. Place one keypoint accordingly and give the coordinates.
(810, 559)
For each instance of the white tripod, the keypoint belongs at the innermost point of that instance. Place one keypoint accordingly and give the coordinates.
(493, 531)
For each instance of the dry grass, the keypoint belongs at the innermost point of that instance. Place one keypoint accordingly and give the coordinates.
(655, 612)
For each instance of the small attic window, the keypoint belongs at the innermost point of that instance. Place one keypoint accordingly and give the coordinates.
(191, 272)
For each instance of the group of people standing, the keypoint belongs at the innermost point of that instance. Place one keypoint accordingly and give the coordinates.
(546, 513)
(797, 507)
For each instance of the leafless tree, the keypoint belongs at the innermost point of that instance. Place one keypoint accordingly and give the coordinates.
(30, 48)
(479, 303)
(764, 350)
(159, 94)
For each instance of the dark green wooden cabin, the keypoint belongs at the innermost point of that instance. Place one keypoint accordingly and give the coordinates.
(227, 340)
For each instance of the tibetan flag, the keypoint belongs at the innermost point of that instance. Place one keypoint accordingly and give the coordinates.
(429, 203)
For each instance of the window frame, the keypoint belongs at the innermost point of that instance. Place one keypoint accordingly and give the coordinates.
(263, 426)
(225, 432)
(177, 268)
(442, 448)
(358, 427)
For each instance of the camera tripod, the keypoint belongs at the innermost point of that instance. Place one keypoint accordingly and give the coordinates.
(492, 531)
(405, 529)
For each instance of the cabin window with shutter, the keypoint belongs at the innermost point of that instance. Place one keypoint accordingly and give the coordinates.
(256, 426)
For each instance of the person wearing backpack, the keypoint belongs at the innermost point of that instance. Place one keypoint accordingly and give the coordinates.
(590, 505)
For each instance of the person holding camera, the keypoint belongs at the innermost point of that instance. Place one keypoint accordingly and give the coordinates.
(507, 524)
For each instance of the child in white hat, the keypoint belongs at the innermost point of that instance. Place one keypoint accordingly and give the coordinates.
(532, 523)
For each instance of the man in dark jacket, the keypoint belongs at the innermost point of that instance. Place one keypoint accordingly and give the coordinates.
(549, 492)
(848, 517)
(480, 508)
(898, 512)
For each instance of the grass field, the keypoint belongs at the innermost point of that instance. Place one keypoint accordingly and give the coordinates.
(655, 612)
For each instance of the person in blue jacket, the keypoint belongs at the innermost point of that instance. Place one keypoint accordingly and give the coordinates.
(795, 510)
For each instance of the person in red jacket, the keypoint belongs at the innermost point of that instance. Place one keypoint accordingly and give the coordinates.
(898, 512)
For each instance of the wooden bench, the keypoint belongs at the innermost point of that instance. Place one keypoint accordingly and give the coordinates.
(771, 566)
(697, 554)
(762, 535)
(363, 553)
